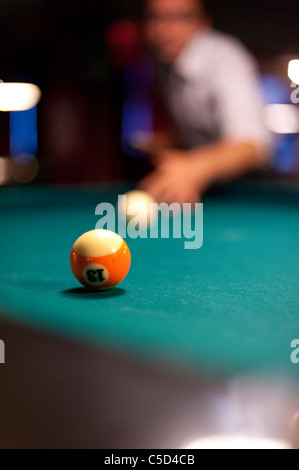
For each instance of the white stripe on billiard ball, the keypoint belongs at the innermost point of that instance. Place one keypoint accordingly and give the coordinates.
(97, 243)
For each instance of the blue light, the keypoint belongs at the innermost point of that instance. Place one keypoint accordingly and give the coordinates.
(285, 151)
(23, 132)
(274, 90)
(137, 117)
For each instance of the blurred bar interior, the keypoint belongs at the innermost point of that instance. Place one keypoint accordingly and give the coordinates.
(97, 87)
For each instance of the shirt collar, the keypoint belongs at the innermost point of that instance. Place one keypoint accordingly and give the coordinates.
(193, 57)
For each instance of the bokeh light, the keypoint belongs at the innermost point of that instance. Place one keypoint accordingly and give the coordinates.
(18, 96)
(236, 442)
(24, 168)
(123, 39)
(5, 164)
(282, 118)
(294, 71)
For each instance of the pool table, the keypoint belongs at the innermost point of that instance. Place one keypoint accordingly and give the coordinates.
(155, 361)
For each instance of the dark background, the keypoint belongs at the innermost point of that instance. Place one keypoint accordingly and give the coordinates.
(39, 35)
(60, 45)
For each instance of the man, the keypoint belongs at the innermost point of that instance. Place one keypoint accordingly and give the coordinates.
(210, 85)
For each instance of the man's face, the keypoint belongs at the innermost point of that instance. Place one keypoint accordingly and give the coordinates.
(169, 24)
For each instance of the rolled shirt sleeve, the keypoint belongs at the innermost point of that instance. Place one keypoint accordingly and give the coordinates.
(238, 99)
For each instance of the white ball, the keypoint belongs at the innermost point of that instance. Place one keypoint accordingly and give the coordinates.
(137, 204)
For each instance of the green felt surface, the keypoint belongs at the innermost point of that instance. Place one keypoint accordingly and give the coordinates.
(232, 306)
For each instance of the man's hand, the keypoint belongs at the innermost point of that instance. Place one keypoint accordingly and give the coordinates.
(178, 177)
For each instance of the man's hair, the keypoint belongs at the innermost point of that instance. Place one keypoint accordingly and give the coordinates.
(203, 5)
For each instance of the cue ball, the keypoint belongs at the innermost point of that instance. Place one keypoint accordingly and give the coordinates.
(100, 259)
(137, 204)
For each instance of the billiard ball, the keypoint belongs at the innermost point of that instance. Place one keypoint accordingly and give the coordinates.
(137, 204)
(100, 259)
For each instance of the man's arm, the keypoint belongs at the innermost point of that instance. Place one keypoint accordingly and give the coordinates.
(244, 142)
(184, 176)
(226, 160)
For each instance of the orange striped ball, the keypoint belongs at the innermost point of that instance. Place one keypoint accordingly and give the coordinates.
(100, 259)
